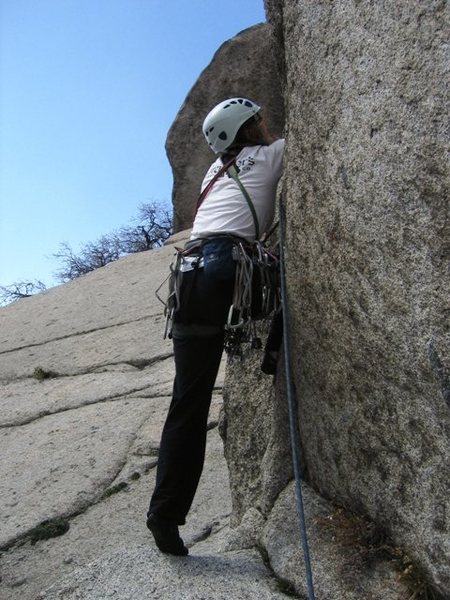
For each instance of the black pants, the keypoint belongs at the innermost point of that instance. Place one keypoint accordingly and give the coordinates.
(197, 359)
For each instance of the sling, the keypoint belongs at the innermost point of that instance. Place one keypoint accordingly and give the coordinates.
(233, 172)
(204, 193)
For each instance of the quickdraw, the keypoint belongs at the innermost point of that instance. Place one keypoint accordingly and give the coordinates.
(186, 259)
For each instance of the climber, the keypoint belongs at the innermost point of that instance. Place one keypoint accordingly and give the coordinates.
(236, 132)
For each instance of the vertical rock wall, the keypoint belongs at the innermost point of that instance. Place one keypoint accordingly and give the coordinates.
(367, 192)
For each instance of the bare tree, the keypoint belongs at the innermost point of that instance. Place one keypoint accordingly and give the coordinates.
(153, 226)
(20, 289)
(157, 223)
(92, 256)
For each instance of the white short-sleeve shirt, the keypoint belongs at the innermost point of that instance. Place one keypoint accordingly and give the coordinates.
(225, 209)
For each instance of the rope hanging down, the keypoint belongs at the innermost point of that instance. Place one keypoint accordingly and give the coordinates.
(292, 404)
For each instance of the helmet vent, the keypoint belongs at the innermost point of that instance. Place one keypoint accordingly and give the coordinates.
(224, 120)
(241, 101)
(231, 102)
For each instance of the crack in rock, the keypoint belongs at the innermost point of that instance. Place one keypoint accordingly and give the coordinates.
(99, 497)
(78, 333)
(283, 585)
(139, 364)
(101, 400)
(202, 536)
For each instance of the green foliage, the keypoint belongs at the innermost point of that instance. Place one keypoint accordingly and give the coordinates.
(49, 529)
(40, 374)
(115, 489)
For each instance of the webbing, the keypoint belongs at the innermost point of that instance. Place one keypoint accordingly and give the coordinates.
(205, 192)
(292, 404)
(233, 172)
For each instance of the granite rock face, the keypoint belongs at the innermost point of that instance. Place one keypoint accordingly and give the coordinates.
(366, 187)
(86, 380)
(346, 565)
(255, 428)
(243, 66)
(85, 384)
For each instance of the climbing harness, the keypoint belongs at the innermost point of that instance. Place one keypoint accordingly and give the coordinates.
(292, 404)
(255, 292)
(186, 259)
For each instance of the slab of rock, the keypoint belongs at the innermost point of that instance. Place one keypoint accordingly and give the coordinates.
(150, 574)
(131, 343)
(109, 316)
(79, 437)
(121, 292)
(61, 463)
(118, 521)
(25, 400)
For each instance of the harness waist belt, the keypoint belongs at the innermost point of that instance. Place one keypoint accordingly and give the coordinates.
(189, 263)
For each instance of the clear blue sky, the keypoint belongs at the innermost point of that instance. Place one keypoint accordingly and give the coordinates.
(88, 91)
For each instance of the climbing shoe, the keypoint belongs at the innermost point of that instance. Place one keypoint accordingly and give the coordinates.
(166, 535)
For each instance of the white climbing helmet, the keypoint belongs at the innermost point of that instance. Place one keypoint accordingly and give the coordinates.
(223, 121)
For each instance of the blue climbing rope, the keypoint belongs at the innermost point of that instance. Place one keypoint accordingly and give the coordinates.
(292, 403)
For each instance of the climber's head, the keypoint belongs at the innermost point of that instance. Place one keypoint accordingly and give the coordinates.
(234, 122)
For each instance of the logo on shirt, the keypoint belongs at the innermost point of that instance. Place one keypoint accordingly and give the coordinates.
(243, 164)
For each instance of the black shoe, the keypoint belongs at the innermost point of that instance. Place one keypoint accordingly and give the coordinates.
(166, 536)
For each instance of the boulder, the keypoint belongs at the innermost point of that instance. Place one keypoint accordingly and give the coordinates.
(243, 66)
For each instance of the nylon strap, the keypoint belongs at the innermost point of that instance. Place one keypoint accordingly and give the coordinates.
(233, 172)
(203, 195)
